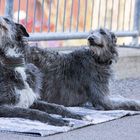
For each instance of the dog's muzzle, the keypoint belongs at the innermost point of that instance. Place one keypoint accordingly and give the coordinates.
(91, 41)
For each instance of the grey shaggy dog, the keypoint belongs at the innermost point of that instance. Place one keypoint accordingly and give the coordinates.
(82, 75)
(21, 82)
(47, 76)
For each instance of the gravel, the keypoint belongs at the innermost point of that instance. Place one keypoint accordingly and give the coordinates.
(127, 87)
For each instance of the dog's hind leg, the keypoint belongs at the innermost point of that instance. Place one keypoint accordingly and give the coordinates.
(32, 114)
(56, 109)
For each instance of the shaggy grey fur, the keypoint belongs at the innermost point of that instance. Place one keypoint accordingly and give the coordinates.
(67, 79)
(21, 82)
(82, 75)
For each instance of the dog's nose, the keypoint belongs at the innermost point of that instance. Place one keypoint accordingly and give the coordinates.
(91, 39)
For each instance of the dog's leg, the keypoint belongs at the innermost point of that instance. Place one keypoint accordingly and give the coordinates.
(32, 114)
(112, 103)
(101, 99)
(117, 103)
(56, 109)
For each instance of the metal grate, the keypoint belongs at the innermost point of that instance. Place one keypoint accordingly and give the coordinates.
(68, 19)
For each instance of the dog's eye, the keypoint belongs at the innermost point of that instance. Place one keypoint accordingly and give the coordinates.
(114, 39)
(113, 36)
(102, 32)
(7, 20)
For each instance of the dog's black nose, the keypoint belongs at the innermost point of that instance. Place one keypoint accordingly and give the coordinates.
(90, 39)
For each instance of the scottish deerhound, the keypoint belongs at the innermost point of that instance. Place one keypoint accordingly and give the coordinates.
(82, 75)
(21, 82)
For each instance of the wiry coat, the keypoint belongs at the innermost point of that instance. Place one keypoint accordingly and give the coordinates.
(21, 82)
(72, 79)
(82, 75)
(68, 79)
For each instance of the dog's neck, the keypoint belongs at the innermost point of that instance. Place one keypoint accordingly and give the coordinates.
(103, 57)
(101, 60)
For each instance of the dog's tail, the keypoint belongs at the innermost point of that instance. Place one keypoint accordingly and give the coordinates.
(120, 103)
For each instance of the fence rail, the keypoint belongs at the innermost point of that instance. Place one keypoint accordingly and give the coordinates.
(73, 35)
(72, 19)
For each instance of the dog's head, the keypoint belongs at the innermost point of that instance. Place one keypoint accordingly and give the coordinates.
(103, 42)
(11, 36)
(11, 30)
(11, 42)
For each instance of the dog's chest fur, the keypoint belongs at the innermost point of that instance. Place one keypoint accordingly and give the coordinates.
(12, 52)
(26, 95)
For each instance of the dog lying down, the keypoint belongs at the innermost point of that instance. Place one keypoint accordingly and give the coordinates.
(33, 79)
(21, 82)
(82, 75)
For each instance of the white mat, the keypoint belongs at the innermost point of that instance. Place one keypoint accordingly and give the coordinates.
(42, 129)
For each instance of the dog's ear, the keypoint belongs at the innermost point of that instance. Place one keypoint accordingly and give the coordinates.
(22, 30)
(114, 38)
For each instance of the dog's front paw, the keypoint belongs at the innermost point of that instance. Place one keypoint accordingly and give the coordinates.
(88, 118)
(60, 122)
(69, 114)
(83, 117)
